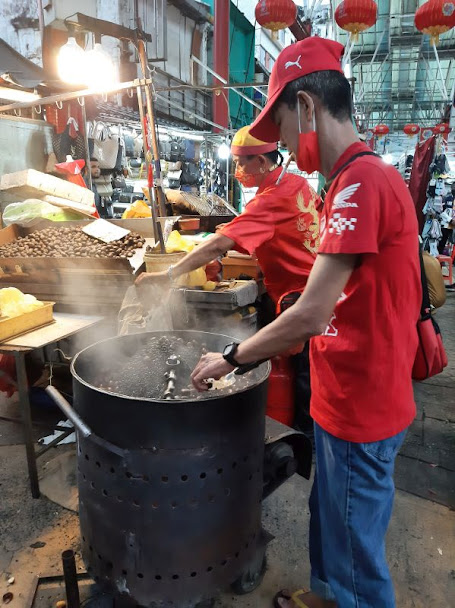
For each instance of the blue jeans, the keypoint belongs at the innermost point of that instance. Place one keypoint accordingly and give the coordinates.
(351, 504)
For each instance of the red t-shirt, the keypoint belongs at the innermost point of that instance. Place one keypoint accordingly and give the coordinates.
(280, 225)
(361, 366)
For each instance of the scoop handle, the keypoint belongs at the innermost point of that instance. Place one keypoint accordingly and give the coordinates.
(80, 425)
(69, 412)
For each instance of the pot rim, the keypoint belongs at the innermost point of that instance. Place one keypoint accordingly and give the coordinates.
(176, 402)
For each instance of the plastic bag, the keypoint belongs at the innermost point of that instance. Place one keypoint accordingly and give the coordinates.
(195, 278)
(32, 211)
(138, 209)
(176, 242)
(13, 302)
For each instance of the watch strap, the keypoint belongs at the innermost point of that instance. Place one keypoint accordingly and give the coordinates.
(230, 357)
(243, 369)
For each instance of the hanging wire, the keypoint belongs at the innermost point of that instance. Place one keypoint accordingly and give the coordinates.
(59, 104)
(35, 109)
(81, 101)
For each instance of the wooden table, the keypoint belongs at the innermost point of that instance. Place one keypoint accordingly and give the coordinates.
(65, 325)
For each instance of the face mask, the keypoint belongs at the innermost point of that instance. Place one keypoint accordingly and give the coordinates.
(308, 157)
(246, 179)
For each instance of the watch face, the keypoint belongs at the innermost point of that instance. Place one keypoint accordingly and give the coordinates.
(229, 349)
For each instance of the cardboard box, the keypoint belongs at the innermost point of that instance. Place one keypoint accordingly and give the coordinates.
(34, 184)
(235, 267)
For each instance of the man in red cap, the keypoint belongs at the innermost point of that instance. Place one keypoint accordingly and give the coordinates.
(360, 308)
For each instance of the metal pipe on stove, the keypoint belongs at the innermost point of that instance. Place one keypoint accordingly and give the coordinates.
(70, 576)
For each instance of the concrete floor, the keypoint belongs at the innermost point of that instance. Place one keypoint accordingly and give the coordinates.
(421, 542)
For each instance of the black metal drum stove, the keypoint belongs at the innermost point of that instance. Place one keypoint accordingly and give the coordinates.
(170, 492)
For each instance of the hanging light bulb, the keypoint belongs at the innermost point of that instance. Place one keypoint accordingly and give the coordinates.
(100, 72)
(71, 62)
(224, 152)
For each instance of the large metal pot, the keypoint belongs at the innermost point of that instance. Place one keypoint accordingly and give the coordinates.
(170, 492)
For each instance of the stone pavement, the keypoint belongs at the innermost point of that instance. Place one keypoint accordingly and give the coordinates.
(426, 465)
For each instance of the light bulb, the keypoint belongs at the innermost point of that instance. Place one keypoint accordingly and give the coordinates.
(71, 62)
(224, 152)
(100, 71)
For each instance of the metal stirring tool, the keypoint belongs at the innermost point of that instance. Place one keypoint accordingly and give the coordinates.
(173, 362)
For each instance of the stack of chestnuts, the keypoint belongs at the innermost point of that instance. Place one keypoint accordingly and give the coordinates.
(70, 243)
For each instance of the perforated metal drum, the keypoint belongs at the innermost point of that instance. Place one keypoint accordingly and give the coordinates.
(170, 501)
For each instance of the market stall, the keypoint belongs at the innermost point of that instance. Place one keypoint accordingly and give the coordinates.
(193, 181)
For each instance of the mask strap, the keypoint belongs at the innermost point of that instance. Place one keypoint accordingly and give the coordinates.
(313, 117)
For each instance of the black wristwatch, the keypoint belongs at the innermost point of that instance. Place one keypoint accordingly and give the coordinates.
(229, 354)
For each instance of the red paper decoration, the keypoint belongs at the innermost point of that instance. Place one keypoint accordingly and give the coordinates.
(441, 129)
(356, 16)
(435, 17)
(381, 130)
(411, 129)
(426, 133)
(275, 14)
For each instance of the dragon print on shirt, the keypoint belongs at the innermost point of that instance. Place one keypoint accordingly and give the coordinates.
(310, 229)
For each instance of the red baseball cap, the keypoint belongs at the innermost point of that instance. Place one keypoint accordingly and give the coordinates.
(304, 57)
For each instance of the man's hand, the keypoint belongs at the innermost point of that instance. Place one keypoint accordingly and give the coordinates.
(211, 365)
(160, 279)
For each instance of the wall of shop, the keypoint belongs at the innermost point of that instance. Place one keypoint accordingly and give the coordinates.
(24, 144)
(242, 43)
(175, 37)
(19, 26)
(241, 66)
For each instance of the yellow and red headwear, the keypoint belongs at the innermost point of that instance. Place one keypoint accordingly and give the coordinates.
(244, 144)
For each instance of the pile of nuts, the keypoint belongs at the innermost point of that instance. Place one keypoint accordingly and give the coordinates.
(70, 243)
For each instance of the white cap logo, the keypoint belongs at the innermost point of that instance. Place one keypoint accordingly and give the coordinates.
(289, 64)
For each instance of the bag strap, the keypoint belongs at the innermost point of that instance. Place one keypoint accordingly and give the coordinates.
(425, 309)
(332, 178)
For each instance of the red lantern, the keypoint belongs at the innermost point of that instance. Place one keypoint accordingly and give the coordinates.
(435, 17)
(275, 14)
(381, 130)
(356, 16)
(411, 129)
(441, 129)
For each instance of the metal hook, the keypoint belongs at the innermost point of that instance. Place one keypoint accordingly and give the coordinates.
(17, 112)
(81, 101)
(35, 108)
(130, 93)
(104, 97)
(59, 104)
